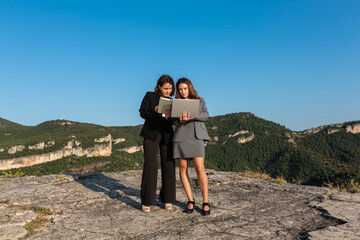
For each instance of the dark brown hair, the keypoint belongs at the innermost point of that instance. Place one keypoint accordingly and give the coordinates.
(192, 92)
(162, 80)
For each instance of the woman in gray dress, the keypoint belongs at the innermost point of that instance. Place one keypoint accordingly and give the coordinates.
(188, 142)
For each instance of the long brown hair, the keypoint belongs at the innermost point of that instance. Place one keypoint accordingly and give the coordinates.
(192, 92)
(162, 80)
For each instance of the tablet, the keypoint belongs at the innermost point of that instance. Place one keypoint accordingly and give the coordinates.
(185, 105)
(164, 103)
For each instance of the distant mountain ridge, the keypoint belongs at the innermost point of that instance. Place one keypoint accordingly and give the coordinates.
(6, 126)
(325, 154)
(239, 141)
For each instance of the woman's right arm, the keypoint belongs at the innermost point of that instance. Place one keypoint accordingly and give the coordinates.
(177, 123)
(182, 120)
(146, 111)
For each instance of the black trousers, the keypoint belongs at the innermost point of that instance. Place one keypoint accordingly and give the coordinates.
(150, 172)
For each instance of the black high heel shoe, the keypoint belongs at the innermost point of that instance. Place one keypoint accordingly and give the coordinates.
(203, 212)
(188, 210)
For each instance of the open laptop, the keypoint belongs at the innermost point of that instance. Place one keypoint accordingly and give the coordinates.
(185, 105)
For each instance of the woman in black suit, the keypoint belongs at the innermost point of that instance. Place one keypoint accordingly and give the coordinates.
(157, 133)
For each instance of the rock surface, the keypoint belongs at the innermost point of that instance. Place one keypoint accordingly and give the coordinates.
(332, 128)
(107, 206)
(340, 206)
(353, 128)
(118, 140)
(237, 133)
(40, 145)
(15, 149)
(132, 149)
(104, 139)
(245, 139)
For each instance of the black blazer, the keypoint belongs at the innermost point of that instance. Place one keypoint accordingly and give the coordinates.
(154, 122)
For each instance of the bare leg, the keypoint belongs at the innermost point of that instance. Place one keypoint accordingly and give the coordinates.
(184, 179)
(202, 179)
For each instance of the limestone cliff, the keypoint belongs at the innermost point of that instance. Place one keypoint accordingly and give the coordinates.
(132, 149)
(245, 139)
(72, 148)
(41, 145)
(15, 149)
(107, 206)
(332, 128)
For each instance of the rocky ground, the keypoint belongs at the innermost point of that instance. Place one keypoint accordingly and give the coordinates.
(107, 206)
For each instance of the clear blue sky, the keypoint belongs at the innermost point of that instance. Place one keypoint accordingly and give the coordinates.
(296, 63)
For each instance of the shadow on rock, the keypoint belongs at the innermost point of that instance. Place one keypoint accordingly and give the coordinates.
(98, 182)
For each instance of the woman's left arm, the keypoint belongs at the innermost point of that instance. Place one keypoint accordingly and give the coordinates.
(203, 113)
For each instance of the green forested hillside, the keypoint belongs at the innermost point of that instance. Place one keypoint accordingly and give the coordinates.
(309, 157)
(313, 158)
(7, 127)
(61, 131)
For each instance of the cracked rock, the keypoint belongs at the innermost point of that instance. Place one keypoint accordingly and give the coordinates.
(108, 206)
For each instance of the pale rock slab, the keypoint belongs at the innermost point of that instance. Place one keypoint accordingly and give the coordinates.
(15, 149)
(108, 206)
(118, 140)
(38, 146)
(345, 208)
(331, 131)
(238, 133)
(66, 123)
(104, 139)
(353, 128)
(246, 139)
(132, 149)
